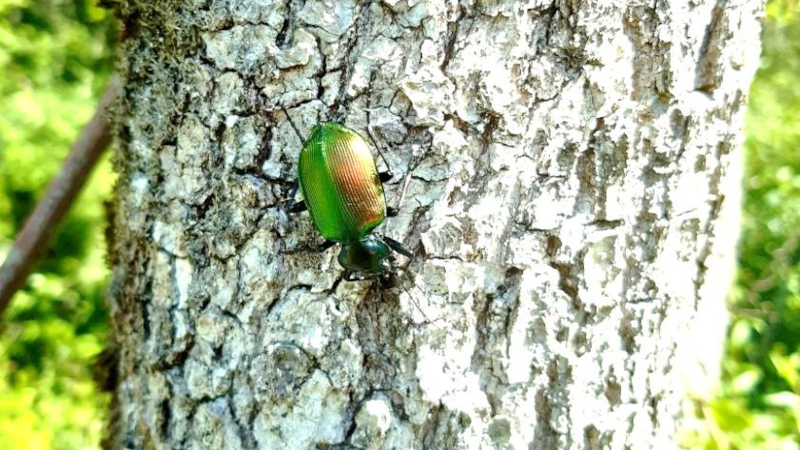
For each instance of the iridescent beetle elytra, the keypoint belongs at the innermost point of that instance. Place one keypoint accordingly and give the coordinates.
(343, 192)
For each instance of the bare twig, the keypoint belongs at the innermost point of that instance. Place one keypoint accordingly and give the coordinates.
(51, 208)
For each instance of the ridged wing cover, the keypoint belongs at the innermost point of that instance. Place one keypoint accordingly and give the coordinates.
(340, 184)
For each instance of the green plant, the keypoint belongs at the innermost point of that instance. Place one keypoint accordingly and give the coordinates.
(757, 405)
(55, 59)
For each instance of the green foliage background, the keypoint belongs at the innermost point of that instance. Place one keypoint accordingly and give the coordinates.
(757, 405)
(55, 59)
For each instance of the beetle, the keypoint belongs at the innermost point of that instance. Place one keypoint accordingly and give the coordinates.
(343, 192)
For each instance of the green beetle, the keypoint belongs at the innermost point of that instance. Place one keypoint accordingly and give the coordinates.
(343, 191)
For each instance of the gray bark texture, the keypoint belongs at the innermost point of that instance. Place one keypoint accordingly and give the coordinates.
(569, 175)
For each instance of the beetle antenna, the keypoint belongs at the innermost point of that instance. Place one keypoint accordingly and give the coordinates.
(291, 122)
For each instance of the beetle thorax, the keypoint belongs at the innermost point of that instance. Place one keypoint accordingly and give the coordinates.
(368, 256)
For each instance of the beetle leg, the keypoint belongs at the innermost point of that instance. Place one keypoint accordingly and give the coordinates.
(294, 206)
(325, 245)
(392, 211)
(398, 247)
(291, 122)
(385, 176)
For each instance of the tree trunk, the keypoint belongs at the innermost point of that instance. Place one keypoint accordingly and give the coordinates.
(570, 181)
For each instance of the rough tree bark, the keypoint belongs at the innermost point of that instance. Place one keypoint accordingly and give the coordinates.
(571, 175)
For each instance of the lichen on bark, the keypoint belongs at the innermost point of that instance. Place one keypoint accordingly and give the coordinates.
(569, 177)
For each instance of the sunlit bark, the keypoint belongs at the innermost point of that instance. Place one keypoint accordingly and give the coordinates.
(570, 173)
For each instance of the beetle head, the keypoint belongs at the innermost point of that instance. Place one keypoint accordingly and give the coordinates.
(368, 257)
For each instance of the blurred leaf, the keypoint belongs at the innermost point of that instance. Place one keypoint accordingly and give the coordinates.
(745, 381)
(756, 406)
(783, 399)
(787, 367)
(55, 59)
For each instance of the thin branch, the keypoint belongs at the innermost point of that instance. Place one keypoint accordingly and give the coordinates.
(52, 207)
